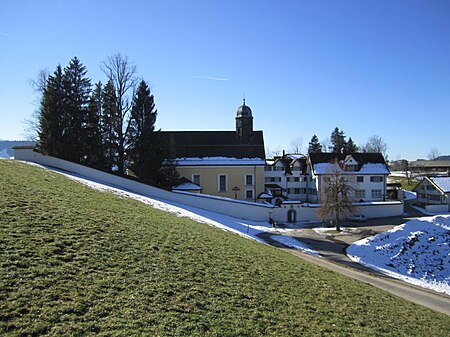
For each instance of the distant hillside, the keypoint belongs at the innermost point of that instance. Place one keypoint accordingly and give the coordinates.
(443, 157)
(7, 145)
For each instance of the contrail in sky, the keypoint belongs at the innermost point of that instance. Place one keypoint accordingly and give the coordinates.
(211, 78)
(7, 35)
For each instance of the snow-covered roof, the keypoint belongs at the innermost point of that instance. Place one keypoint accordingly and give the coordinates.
(369, 168)
(367, 163)
(187, 186)
(222, 161)
(442, 182)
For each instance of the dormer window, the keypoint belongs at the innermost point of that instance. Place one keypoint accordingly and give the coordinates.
(351, 167)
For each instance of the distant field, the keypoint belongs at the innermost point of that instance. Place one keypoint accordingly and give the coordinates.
(75, 261)
(409, 187)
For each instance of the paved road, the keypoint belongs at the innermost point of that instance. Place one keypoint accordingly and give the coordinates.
(332, 249)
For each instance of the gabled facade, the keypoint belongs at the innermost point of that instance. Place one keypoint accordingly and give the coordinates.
(300, 178)
(222, 163)
(286, 177)
(434, 191)
(365, 173)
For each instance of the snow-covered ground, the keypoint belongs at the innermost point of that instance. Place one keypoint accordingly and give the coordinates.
(246, 228)
(409, 195)
(417, 252)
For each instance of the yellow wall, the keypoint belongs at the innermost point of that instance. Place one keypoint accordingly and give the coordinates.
(209, 179)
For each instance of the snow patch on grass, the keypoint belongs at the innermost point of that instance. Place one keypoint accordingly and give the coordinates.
(246, 228)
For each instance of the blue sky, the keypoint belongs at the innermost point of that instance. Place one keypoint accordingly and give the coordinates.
(305, 67)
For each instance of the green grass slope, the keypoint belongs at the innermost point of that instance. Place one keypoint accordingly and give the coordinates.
(75, 261)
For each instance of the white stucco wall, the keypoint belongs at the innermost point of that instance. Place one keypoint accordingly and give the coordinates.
(437, 208)
(231, 207)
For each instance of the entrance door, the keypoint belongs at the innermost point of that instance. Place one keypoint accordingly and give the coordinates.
(291, 216)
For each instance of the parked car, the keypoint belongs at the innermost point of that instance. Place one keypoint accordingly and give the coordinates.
(357, 217)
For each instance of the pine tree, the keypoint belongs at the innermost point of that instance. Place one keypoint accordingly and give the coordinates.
(108, 125)
(50, 120)
(92, 137)
(351, 147)
(338, 141)
(314, 145)
(142, 147)
(168, 175)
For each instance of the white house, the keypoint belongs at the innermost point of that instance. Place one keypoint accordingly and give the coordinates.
(287, 177)
(301, 178)
(365, 173)
(433, 193)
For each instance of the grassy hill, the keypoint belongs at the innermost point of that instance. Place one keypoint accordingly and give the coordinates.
(75, 261)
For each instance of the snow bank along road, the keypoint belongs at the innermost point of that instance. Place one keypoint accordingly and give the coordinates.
(256, 230)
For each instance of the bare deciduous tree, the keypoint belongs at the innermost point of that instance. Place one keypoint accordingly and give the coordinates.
(270, 153)
(433, 154)
(376, 144)
(31, 124)
(123, 77)
(326, 145)
(295, 146)
(336, 202)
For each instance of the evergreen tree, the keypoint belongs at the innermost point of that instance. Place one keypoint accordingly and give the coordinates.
(92, 137)
(168, 176)
(108, 125)
(351, 147)
(50, 132)
(314, 145)
(338, 141)
(144, 149)
(77, 90)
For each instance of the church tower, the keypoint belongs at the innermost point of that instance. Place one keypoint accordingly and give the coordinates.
(244, 123)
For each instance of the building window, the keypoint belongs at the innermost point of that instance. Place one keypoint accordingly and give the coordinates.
(273, 179)
(360, 194)
(249, 179)
(196, 179)
(312, 191)
(222, 183)
(351, 167)
(376, 179)
(436, 198)
(360, 179)
(248, 194)
(326, 179)
(376, 194)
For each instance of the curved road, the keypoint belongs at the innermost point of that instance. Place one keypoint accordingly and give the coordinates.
(332, 249)
(435, 301)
